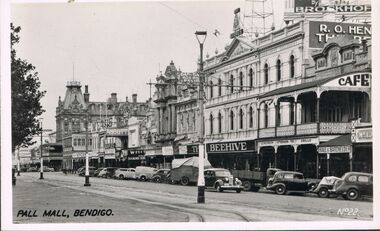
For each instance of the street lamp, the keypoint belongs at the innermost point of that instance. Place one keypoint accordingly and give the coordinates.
(41, 158)
(201, 37)
(87, 173)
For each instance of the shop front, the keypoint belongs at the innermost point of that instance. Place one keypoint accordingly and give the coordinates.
(135, 157)
(153, 157)
(168, 156)
(236, 155)
(187, 150)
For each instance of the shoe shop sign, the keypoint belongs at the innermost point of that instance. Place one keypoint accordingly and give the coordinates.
(320, 32)
(315, 6)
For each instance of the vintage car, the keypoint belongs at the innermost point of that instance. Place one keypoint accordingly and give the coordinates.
(222, 179)
(161, 175)
(353, 185)
(125, 173)
(82, 171)
(326, 184)
(288, 181)
(46, 169)
(108, 172)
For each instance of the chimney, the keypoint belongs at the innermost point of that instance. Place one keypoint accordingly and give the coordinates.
(86, 94)
(113, 98)
(134, 98)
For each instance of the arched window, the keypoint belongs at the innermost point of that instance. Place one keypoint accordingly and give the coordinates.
(250, 78)
(232, 117)
(250, 117)
(219, 87)
(241, 77)
(211, 124)
(231, 84)
(211, 90)
(278, 68)
(266, 115)
(241, 115)
(220, 122)
(266, 73)
(291, 64)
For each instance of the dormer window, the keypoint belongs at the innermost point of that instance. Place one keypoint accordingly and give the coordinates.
(321, 63)
(347, 55)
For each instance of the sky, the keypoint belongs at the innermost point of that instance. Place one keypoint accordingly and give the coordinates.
(117, 47)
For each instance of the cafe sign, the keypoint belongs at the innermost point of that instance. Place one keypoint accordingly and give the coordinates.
(362, 80)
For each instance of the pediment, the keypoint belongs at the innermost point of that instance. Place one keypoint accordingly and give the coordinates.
(238, 47)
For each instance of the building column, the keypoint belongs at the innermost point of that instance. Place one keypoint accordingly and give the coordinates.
(295, 117)
(174, 118)
(350, 156)
(258, 122)
(276, 110)
(328, 163)
(317, 169)
(275, 156)
(317, 115)
(295, 157)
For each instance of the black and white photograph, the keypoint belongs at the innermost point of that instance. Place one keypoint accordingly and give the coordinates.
(170, 115)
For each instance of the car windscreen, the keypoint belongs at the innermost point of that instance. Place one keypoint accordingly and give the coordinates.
(222, 173)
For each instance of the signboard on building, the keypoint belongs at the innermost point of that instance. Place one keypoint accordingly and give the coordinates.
(357, 80)
(315, 6)
(231, 147)
(335, 149)
(117, 132)
(320, 32)
(362, 135)
(283, 142)
(167, 150)
(188, 149)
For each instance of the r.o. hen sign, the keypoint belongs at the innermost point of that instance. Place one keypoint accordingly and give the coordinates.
(320, 32)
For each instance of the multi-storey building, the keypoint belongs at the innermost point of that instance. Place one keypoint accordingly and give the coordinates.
(272, 101)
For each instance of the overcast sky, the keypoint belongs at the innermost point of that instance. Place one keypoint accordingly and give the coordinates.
(117, 47)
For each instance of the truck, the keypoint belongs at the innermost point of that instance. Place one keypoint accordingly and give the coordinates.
(254, 180)
(185, 171)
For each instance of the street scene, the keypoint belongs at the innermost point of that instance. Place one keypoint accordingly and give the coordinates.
(135, 112)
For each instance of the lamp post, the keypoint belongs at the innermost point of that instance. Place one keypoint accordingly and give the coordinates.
(41, 158)
(18, 161)
(87, 172)
(201, 37)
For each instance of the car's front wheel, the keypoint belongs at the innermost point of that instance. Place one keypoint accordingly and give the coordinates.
(121, 177)
(352, 194)
(323, 192)
(219, 188)
(280, 190)
(143, 178)
(185, 181)
(238, 190)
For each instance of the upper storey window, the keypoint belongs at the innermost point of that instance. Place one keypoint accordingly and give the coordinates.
(291, 64)
(250, 78)
(231, 84)
(278, 68)
(241, 77)
(219, 87)
(266, 73)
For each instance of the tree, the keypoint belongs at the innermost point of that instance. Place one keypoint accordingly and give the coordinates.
(26, 96)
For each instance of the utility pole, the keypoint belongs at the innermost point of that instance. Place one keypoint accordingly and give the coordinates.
(87, 172)
(42, 160)
(201, 37)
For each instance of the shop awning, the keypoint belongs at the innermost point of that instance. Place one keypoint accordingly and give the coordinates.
(340, 144)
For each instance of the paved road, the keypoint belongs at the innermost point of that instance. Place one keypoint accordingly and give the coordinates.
(133, 201)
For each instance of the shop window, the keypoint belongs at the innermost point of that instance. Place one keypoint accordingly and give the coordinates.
(211, 124)
(231, 84)
(250, 78)
(250, 117)
(266, 73)
(291, 63)
(219, 87)
(232, 115)
(241, 77)
(278, 69)
(241, 115)
(211, 90)
(220, 122)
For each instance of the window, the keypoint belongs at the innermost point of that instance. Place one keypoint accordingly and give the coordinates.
(347, 55)
(278, 68)
(321, 63)
(75, 142)
(250, 78)
(250, 117)
(266, 74)
(211, 124)
(291, 63)
(352, 178)
(241, 77)
(231, 84)
(288, 176)
(266, 109)
(211, 90)
(241, 114)
(220, 122)
(232, 120)
(219, 87)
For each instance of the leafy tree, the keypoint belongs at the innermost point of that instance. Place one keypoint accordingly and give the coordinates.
(26, 96)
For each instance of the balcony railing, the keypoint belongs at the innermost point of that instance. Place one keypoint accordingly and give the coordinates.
(335, 128)
(285, 130)
(307, 129)
(267, 132)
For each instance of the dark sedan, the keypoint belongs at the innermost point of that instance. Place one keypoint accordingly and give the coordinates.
(288, 181)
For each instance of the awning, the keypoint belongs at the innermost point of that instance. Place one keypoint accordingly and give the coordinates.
(340, 144)
(178, 138)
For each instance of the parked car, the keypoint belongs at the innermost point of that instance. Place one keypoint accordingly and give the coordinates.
(144, 173)
(353, 185)
(288, 181)
(221, 179)
(185, 171)
(161, 175)
(32, 169)
(96, 173)
(46, 169)
(125, 173)
(108, 172)
(326, 184)
(82, 171)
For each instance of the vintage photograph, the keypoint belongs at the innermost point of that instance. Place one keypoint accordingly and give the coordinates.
(190, 114)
